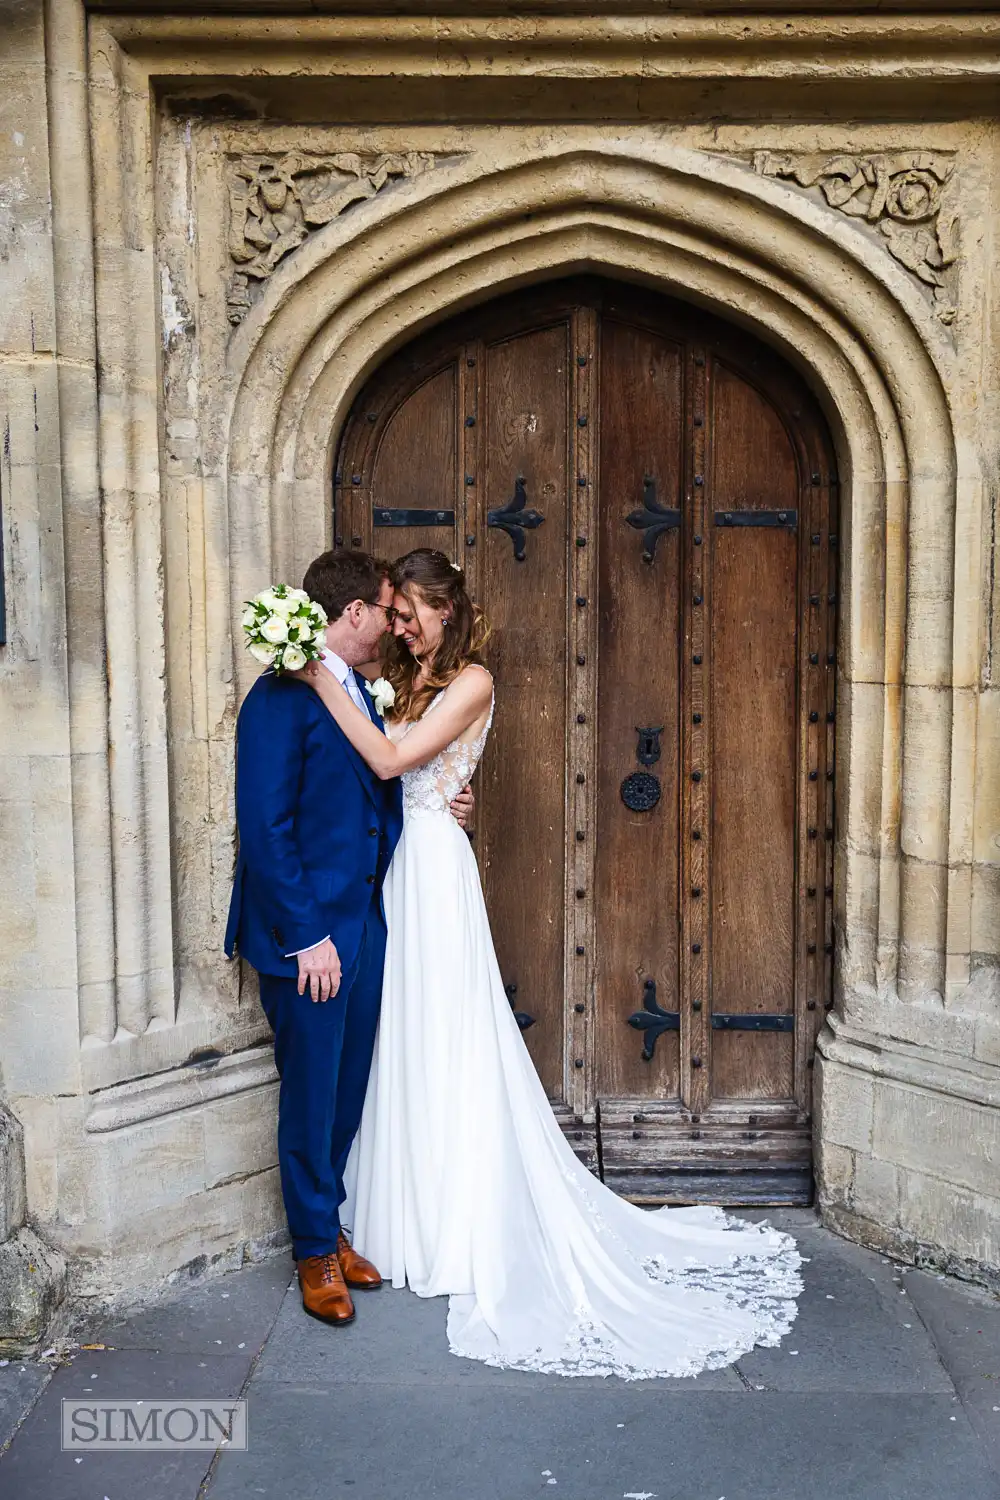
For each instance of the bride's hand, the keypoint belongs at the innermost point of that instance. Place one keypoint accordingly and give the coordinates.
(309, 673)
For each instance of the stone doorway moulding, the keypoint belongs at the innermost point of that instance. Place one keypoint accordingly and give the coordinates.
(706, 229)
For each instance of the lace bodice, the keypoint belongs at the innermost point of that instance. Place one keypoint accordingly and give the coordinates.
(433, 787)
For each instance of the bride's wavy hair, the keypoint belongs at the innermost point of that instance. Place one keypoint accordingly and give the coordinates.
(428, 577)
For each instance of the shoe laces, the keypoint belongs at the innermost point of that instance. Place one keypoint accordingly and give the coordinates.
(331, 1272)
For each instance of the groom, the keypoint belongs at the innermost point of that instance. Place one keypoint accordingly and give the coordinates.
(317, 830)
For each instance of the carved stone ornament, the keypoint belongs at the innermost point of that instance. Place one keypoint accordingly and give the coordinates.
(275, 201)
(901, 194)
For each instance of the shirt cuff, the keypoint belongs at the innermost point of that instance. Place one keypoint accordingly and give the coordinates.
(309, 949)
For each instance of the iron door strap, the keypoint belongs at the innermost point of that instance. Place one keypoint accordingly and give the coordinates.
(515, 518)
(652, 519)
(786, 520)
(652, 1019)
(401, 516)
(750, 1021)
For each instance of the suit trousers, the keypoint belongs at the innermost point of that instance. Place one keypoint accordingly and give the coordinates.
(323, 1053)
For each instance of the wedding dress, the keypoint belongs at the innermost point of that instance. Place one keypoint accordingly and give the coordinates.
(461, 1182)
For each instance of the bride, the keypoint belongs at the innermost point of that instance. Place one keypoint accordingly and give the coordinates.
(462, 1181)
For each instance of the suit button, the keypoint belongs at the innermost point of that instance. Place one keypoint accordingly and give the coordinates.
(370, 879)
(373, 833)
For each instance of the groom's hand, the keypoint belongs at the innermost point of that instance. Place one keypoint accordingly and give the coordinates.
(463, 807)
(319, 968)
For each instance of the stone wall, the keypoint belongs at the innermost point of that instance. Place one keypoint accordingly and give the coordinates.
(201, 270)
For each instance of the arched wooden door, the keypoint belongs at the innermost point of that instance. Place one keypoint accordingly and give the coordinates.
(645, 501)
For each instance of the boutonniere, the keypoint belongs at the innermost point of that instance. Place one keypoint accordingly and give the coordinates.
(383, 693)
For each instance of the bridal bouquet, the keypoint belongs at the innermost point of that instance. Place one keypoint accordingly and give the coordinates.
(284, 628)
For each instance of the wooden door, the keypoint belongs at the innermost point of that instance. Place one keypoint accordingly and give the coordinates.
(644, 500)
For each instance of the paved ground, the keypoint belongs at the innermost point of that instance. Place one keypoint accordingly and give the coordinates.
(888, 1387)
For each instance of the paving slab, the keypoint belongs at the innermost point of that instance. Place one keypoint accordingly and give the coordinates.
(401, 1339)
(965, 1325)
(34, 1468)
(21, 1381)
(489, 1443)
(856, 1328)
(213, 1316)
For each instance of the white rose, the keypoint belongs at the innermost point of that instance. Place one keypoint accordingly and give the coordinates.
(268, 599)
(249, 617)
(319, 612)
(293, 660)
(303, 628)
(275, 630)
(319, 640)
(383, 693)
(299, 595)
(264, 654)
(284, 606)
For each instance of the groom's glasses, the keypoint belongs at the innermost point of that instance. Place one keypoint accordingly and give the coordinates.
(389, 610)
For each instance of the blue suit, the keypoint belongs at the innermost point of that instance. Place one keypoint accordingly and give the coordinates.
(317, 830)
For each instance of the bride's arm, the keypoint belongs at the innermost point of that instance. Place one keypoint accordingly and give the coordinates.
(467, 700)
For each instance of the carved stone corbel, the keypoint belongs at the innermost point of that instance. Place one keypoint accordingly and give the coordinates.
(276, 201)
(902, 194)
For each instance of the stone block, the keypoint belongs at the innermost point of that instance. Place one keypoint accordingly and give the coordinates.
(927, 775)
(32, 1285)
(241, 1135)
(951, 1221)
(987, 1047)
(862, 644)
(12, 1190)
(964, 756)
(986, 838)
(858, 879)
(861, 715)
(39, 1035)
(846, 1113)
(986, 909)
(43, 1137)
(921, 1023)
(875, 1192)
(207, 1228)
(834, 1167)
(938, 1136)
(150, 1167)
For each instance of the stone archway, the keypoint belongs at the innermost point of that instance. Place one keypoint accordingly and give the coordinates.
(709, 231)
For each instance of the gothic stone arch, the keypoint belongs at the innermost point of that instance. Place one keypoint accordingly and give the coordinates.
(707, 229)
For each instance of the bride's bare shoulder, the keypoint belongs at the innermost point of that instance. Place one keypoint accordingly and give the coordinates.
(476, 681)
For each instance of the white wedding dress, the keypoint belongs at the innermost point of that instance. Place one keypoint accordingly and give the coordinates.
(461, 1183)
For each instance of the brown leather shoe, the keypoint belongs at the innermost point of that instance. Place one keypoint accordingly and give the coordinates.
(324, 1294)
(358, 1272)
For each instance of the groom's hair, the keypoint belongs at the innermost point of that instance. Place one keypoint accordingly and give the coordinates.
(336, 579)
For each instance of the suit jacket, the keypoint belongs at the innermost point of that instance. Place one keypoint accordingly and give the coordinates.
(317, 829)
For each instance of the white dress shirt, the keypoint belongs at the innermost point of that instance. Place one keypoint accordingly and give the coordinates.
(345, 676)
